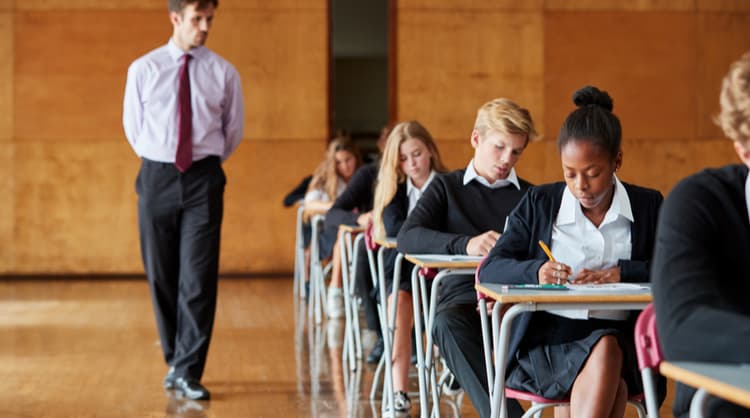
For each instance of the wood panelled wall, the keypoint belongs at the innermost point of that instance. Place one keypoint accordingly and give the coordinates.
(66, 171)
(661, 60)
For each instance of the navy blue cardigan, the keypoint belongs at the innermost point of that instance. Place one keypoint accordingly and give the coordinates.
(517, 257)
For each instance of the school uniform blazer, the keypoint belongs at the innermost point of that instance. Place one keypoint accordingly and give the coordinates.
(394, 214)
(701, 275)
(517, 257)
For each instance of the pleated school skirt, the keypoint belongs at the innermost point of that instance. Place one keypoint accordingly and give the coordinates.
(554, 350)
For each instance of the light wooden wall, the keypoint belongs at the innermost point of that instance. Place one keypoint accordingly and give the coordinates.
(67, 173)
(66, 170)
(661, 60)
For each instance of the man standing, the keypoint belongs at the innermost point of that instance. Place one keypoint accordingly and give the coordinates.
(183, 115)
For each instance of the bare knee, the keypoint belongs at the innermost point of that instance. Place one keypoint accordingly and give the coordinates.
(607, 349)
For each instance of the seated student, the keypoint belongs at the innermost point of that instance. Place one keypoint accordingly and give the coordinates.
(700, 273)
(600, 230)
(328, 182)
(332, 175)
(461, 213)
(409, 163)
(354, 207)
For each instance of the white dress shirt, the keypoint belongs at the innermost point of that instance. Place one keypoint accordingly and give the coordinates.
(414, 193)
(320, 195)
(471, 174)
(151, 99)
(577, 242)
(747, 196)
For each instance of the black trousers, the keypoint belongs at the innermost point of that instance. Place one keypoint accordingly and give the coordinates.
(458, 334)
(365, 289)
(179, 218)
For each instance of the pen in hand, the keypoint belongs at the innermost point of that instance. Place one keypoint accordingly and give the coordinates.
(546, 250)
(554, 272)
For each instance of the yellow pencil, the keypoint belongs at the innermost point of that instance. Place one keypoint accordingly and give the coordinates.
(547, 251)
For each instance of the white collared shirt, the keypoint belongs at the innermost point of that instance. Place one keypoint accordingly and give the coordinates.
(471, 174)
(747, 196)
(414, 193)
(320, 194)
(577, 242)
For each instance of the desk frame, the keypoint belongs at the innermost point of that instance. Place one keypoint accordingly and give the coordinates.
(532, 301)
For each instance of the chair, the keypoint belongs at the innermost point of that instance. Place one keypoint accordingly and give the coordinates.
(649, 356)
(300, 272)
(538, 403)
(384, 364)
(317, 299)
(352, 335)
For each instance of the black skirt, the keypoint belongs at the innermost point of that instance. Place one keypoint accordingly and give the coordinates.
(554, 350)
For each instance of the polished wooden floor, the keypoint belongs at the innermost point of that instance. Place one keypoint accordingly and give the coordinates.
(89, 348)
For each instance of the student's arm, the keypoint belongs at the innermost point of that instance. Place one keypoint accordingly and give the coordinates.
(356, 195)
(422, 232)
(298, 193)
(637, 270)
(690, 293)
(516, 258)
(394, 214)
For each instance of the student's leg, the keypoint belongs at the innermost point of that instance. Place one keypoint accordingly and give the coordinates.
(335, 301)
(595, 392)
(364, 289)
(336, 268)
(458, 334)
(401, 353)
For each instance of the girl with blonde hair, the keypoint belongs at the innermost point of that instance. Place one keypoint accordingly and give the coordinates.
(410, 161)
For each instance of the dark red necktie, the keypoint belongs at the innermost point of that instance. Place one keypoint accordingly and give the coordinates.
(184, 157)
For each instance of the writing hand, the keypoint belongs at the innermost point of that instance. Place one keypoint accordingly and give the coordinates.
(553, 272)
(610, 275)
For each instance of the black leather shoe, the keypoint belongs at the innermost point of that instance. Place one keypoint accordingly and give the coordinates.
(169, 379)
(192, 389)
(376, 353)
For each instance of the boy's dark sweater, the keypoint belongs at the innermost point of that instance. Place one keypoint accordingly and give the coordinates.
(448, 215)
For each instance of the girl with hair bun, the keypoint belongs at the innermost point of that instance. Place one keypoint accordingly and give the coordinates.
(600, 230)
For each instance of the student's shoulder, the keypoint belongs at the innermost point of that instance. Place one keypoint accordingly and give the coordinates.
(525, 184)
(449, 179)
(643, 193)
(727, 182)
(547, 190)
(367, 171)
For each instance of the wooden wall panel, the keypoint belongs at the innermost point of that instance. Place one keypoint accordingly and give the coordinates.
(161, 4)
(7, 209)
(282, 58)
(6, 76)
(75, 93)
(75, 208)
(661, 164)
(451, 62)
(6, 5)
(645, 60)
(721, 39)
(466, 5)
(258, 232)
(724, 5)
(641, 5)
